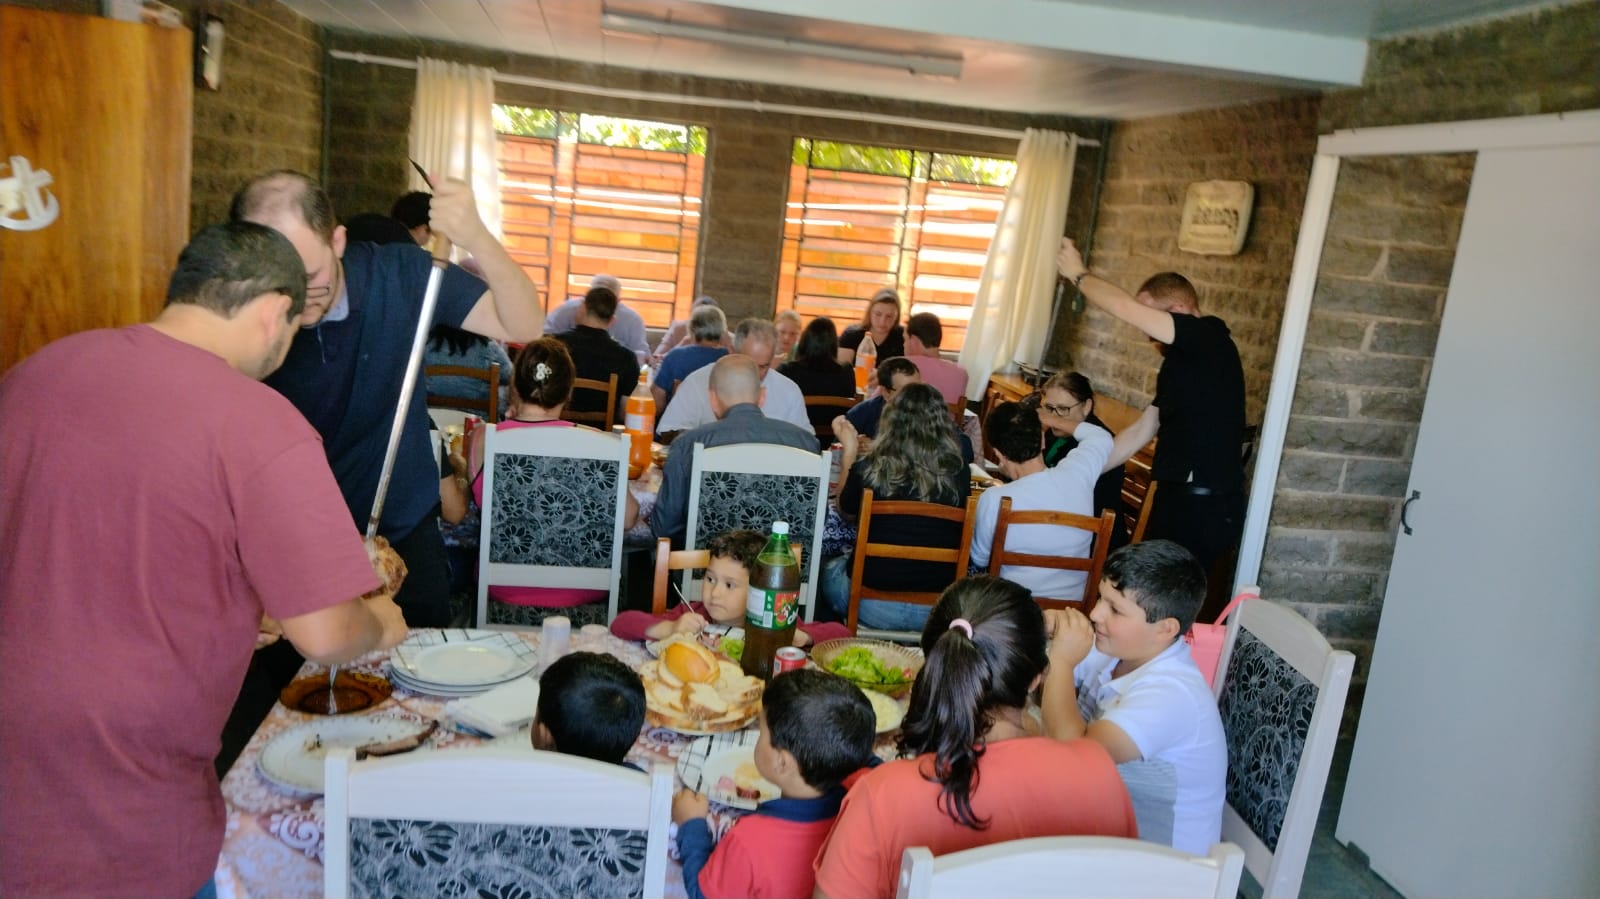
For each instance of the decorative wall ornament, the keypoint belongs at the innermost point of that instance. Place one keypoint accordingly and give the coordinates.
(24, 192)
(1216, 217)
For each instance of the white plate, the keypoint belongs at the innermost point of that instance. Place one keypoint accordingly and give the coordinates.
(887, 711)
(412, 685)
(456, 659)
(712, 758)
(711, 638)
(292, 761)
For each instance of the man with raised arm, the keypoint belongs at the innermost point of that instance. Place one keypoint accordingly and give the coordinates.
(1198, 408)
(156, 504)
(348, 360)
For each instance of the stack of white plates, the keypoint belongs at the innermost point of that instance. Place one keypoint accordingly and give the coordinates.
(459, 662)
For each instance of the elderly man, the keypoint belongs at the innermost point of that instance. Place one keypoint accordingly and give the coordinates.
(140, 555)
(1013, 430)
(708, 330)
(678, 332)
(923, 334)
(734, 394)
(782, 400)
(595, 355)
(1198, 409)
(346, 365)
(627, 328)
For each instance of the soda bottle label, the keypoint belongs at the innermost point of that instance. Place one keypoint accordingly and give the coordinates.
(771, 609)
(634, 421)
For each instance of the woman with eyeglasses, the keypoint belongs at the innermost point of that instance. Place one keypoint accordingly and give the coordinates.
(1066, 399)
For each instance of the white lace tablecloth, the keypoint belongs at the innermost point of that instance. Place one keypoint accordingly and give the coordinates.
(273, 843)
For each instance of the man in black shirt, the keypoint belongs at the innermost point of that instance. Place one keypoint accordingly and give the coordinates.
(1198, 408)
(596, 355)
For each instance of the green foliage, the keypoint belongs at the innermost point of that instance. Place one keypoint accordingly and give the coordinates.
(609, 131)
(902, 163)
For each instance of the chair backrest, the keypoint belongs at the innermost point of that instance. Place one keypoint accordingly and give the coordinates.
(1281, 689)
(749, 486)
(489, 407)
(429, 822)
(1146, 504)
(1099, 529)
(1137, 499)
(865, 547)
(822, 410)
(668, 561)
(958, 411)
(1065, 867)
(603, 419)
(554, 499)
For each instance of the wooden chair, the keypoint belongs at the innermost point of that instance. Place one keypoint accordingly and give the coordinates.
(749, 486)
(1066, 867)
(531, 812)
(1280, 688)
(601, 420)
(669, 560)
(1147, 503)
(825, 431)
(1100, 529)
(1136, 491)
(554, 500)
(864, 548)
(958, 411)
(489, 407)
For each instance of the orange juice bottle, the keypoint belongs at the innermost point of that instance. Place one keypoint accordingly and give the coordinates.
(866, 361)
(639, 419)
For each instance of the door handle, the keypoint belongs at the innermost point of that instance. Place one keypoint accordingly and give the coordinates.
(1405, 507)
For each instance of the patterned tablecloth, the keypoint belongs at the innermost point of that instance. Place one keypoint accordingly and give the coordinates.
(273, 843)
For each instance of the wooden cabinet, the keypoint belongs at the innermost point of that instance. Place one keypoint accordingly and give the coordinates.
(105, 108)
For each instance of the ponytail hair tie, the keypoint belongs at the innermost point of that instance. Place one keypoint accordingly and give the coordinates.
(962, 625)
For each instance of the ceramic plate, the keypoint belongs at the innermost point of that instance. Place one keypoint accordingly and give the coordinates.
(711, 764)
(888, 712)
(292, 761)
(461, 659)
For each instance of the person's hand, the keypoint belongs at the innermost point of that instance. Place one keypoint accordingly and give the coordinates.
(268, 632)
(390, 617)
(1069, 262)
(387, 564)
(846, 434)
(453, 213)
(1071, 636)
(690, 623)
(801, 638)
(688, 805)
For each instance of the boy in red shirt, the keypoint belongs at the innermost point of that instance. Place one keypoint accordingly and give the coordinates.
(817, 729)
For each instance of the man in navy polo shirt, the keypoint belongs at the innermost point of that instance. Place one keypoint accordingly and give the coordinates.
(346, 365)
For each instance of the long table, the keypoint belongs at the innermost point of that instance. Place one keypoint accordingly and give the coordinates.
(273, 843)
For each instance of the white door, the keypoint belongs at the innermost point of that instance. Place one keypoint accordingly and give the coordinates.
(1477, 762)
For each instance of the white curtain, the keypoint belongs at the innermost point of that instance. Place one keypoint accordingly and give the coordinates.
(452, 131)
(1011, 311)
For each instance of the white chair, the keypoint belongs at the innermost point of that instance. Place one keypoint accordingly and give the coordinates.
(1280, 688)
(554, 500)
(443, 418)
(493, 821)
(751, 485)
(1071, 867)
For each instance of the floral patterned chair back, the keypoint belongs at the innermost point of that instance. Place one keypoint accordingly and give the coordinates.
(1101, 867)
(554, 500)
(494, 822)
(749, 486)
(1281, 692)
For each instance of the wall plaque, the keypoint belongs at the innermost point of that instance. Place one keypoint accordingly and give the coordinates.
(1216, 217)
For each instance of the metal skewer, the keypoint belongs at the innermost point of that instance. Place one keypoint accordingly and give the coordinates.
(430, 299)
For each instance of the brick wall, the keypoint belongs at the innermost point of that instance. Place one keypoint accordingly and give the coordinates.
(1149, 165)
(747, 165)
(1380, 296)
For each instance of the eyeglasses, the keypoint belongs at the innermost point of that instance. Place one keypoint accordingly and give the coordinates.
(1062, 411)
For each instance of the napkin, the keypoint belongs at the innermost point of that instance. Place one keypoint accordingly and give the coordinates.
(501, 711)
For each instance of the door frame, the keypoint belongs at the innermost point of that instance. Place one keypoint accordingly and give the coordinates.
(1524, 132)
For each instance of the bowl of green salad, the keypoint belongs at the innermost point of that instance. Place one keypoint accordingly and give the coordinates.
(871, 664)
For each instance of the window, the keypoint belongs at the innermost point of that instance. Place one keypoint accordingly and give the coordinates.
(863, 218)
(584, 194)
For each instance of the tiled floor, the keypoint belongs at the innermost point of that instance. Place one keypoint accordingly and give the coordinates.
(1332, 871)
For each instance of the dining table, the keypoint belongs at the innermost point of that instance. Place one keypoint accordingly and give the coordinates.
(273, 842)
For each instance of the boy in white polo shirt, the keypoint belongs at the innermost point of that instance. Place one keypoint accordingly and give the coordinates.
(1123, 677)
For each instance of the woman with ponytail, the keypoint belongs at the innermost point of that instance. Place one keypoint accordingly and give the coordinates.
(971, 773)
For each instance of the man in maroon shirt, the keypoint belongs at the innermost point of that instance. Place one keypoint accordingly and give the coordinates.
(157, 502)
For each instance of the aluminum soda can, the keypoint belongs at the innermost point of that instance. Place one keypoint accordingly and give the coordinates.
(788, 658)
